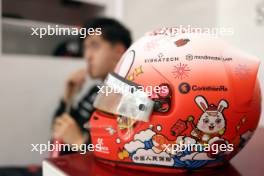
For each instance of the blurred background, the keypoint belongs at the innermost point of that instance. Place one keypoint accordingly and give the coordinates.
(33, 70)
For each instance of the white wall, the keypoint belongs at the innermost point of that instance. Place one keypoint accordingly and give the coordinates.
(144, 15)
(30, 88)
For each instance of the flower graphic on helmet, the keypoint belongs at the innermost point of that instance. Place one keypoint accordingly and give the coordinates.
(151, 45)
(242, 71)
(181, 71)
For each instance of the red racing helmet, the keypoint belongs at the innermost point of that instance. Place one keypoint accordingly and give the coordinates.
(176, 102)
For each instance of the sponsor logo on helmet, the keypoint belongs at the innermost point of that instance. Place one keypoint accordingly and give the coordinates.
(181, 71)
(190, 57)
(161, 58)
(209, 88)
(185, 88)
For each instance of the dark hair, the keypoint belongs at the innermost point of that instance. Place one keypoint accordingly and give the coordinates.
(112, 30)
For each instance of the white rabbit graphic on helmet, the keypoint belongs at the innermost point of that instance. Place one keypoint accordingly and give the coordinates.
(212, 122)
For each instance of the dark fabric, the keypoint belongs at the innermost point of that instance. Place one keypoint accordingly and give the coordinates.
(19, 171)
(81, 113)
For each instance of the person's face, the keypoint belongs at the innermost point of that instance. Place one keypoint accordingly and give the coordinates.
(101, 56)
